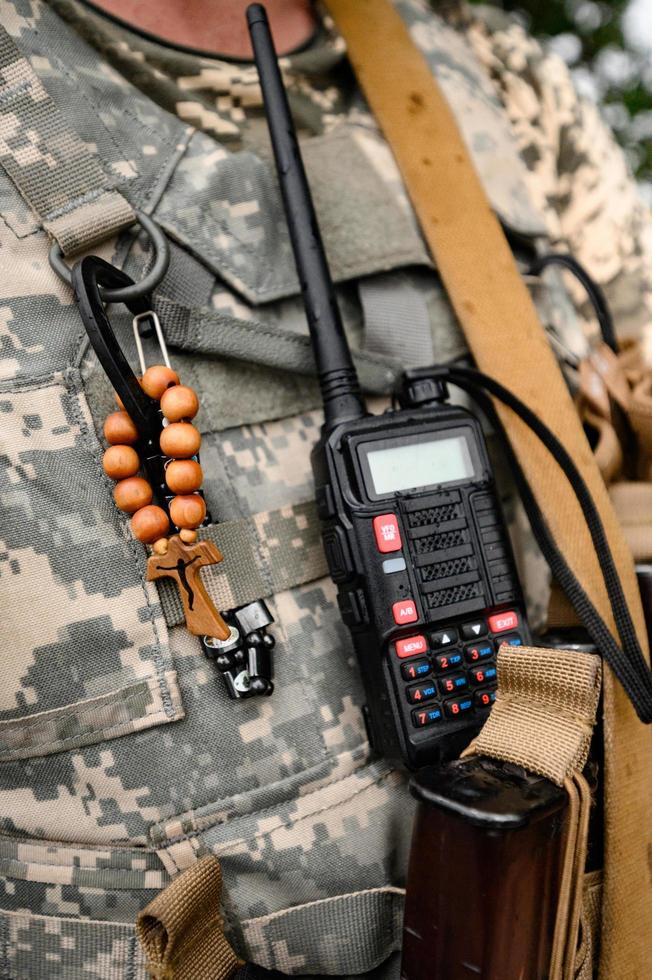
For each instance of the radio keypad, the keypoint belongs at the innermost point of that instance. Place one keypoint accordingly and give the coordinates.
(421, 692)
(448, 661)
(453, 684)
(426, 716)
(416, 669)
(443, 638)
(457, 669)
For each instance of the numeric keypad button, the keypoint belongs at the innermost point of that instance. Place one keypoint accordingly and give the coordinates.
(448, 661)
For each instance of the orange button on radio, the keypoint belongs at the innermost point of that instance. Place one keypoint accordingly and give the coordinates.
(411, 646)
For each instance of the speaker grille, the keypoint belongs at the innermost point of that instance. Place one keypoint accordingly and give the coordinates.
(453, 595)
(435, 515)
(440, 542)
(446, 569)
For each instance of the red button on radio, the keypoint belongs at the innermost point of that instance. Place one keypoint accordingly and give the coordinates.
(388, 536)
(411, 646)
(405, 612)
(503, 621)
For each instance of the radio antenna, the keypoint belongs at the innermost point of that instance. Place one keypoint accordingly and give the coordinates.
(338, 379)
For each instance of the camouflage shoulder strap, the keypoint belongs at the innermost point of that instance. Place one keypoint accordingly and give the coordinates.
(49, 164)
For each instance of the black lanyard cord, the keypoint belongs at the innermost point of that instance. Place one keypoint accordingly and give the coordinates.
(628, 663)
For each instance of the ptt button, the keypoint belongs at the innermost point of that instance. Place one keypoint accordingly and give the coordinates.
(337, 554)
(501, 622)
(448, 661)
(415, 670)
(405, 611)
(473, 631)
(482, 675)
(484, 699)
(453, 684)
(386, 531)
(458, 707)
(421, 692)
(443, 638)
(481, 651)
(411, 646)
(427, 716)
(353, 607)
(514, 640)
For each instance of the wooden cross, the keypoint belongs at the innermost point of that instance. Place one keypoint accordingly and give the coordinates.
(182, 563)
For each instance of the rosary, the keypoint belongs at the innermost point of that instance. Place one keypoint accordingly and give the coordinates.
(152, 432)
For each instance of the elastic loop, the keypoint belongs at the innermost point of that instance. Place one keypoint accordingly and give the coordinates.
(146, 285)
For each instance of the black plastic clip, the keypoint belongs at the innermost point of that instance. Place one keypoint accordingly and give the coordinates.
(245, 658)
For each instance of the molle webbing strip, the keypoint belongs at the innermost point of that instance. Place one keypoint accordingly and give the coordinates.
(508, 342)
(49, 164)
(211, 332)
(181, 931)
(263, 554)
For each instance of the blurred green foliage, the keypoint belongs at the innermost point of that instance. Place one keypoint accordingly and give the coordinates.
(592, 39)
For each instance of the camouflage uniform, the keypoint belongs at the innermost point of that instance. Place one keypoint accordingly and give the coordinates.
(122, 759)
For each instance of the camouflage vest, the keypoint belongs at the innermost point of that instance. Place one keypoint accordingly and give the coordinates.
(121, 758)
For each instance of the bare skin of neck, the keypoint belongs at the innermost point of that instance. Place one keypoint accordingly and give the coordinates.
(214, 26)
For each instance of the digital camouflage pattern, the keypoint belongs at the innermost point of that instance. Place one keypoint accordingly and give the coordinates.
(102, 800)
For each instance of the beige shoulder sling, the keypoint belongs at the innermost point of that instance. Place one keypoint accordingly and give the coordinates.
(508, 342)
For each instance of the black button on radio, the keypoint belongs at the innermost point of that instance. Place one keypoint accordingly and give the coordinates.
(453, 684)
(483, 675)
(415, 669)
(484, 699)
(473, 631)
(443, 638)
(448, 661)
(426, 716)
(421, 692)
(480, 651)
(459, 706)
(336, 549)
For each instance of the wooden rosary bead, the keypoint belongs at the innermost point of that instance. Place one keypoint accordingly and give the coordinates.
(132, 494)
(119, 429)
(157, 378)
(183, 475)
(188, 511)
(179, 403)
(149, 524)
(188, 535)
(161, 546)
(119, 462)
(179, 440)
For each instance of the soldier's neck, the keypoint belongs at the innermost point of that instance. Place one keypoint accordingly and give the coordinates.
(214, 26)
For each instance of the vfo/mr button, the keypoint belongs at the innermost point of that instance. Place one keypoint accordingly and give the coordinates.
(386, 531)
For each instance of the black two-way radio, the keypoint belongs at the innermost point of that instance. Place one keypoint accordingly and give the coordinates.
(412, 529)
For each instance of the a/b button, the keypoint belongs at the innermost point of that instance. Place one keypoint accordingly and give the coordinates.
(405, 612)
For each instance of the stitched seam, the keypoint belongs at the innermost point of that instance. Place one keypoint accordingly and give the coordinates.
(289, 823)
(9, 756)
(309, 816)
(359, 758)
(66, 712)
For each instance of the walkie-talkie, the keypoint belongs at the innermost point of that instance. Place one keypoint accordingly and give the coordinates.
(412, 529)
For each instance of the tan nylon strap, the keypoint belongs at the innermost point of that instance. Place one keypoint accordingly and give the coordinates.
(508, 342)
(52, 168)
(181, 929)
(544, 712)
(543, 720)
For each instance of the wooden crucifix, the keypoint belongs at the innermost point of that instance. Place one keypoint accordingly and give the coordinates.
(182, 563)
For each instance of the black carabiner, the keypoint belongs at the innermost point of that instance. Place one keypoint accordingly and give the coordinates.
(88, 275)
